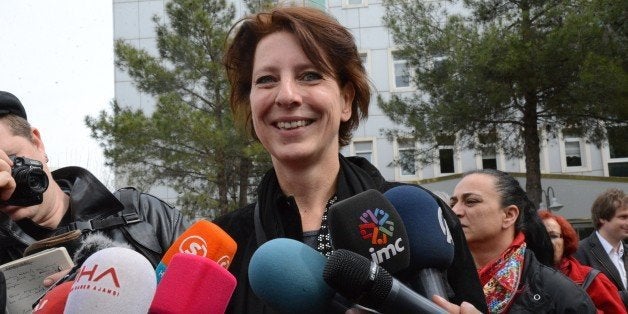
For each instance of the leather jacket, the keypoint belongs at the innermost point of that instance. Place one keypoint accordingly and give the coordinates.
(150, 232)
(546, 290)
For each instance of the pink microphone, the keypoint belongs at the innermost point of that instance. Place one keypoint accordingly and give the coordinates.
(193, 284)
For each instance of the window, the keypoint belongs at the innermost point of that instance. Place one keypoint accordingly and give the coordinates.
(487, 149)
(574, 152)
(446, 153)
(406, 149)
(618, 149)
(489, 158)
(401, 72)
(363, 149)
(353, 3)
(618, 142)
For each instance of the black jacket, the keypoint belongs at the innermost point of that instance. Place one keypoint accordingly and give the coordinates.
(546, 290)
(280, 219)
(591, 253)
(157, 227)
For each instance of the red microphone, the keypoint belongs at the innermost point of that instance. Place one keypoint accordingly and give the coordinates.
(54, 301)
(193, 284)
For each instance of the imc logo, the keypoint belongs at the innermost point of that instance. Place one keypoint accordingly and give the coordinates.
(378, 229)
(194, 245)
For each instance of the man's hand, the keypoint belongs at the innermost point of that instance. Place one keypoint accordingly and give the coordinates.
(7, 183)
(464, 308)
(48, 281)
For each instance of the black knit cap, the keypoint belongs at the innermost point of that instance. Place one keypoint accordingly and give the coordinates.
(9, 104)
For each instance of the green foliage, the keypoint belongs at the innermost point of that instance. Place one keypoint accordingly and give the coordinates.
(509, 66)
(189, 141)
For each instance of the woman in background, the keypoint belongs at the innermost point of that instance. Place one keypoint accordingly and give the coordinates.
(565, 240)
(505, 235)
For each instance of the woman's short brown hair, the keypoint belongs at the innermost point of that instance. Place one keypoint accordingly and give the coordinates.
(328, 44)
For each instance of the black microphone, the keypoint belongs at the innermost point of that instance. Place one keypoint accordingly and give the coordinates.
(368, 224)
(366, 283)
(3, 293)
(431, 245)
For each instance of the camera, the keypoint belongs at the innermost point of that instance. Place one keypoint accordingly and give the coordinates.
(31, 182)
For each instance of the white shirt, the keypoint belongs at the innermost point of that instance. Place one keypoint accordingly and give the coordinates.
(616, 257)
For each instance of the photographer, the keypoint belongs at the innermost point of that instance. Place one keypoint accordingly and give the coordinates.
(74, 203)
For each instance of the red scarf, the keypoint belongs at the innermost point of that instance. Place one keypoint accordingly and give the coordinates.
(500, 278)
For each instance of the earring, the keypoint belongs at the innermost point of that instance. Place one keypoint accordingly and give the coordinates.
(46, 156)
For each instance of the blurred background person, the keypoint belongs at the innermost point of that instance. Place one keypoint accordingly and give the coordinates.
(605, 249)
(505, 235)
(602, 291)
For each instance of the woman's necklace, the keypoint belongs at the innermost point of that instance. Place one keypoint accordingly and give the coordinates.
(324, 244)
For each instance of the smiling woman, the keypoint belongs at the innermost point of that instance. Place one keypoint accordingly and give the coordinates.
(298, 85)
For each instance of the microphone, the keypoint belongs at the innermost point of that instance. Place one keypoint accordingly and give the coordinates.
(54, 301)
(363, 281)
(114, 280)
(368, 224)
(431, 245)
(3, 292)
(204, 239)
(193, 284)
(287, 275)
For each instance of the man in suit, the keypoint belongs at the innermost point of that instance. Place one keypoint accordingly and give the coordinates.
(604, 249)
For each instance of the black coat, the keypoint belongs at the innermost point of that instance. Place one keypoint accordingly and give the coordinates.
(591, 253)
(90, 200)
(356, 175)
(546, 290)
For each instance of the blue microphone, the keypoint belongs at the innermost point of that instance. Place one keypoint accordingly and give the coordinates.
(288, 276)
(430, 241)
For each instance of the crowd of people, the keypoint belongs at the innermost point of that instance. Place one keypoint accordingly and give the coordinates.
(299, 86)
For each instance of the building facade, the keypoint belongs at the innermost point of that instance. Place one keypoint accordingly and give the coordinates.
(564, 160)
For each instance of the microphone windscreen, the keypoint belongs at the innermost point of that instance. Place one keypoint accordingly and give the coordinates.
(352, 276)
(204, 239)
(114, 280)
(368, 224)
(93, 243)
(193, 284)
(430, 241)
(54, 301)
(288, 276)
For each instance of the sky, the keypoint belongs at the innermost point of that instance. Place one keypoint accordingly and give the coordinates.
(57, 58)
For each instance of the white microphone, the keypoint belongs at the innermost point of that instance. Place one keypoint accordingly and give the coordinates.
(113, 281)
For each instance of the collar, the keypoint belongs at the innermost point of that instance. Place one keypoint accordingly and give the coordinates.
(608, 247)
(279, 215)
(89, 198)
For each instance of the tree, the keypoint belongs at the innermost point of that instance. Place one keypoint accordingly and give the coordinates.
(189, 142)
(495, 73)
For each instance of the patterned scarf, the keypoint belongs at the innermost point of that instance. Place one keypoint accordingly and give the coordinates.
(500, 279)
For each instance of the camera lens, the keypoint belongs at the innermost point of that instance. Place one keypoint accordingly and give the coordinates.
(34, 180)
(37, 181)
